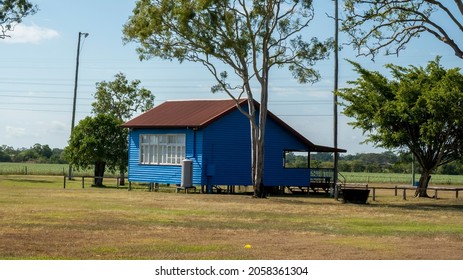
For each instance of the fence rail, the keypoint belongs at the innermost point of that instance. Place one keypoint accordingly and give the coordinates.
(94, 177)
(404, 189)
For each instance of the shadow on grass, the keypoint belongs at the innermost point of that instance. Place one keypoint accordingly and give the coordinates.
(22, 180)
(109, 187)
(419, 206)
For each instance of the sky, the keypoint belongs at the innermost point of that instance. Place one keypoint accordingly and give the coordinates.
(38, 65)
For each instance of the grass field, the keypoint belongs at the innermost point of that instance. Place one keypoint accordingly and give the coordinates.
(41, 220)
(21, 168)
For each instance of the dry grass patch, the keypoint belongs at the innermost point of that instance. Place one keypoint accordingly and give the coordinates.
(40, 220)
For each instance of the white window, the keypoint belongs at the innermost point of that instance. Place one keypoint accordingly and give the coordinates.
(168, 149)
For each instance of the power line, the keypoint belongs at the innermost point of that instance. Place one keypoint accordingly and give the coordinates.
(41, 110)
(39, 104)
(43, 97)
(306, 115)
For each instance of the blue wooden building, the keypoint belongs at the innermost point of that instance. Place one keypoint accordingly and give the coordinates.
(215, 136)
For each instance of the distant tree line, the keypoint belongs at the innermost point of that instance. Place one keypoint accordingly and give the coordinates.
(38, 153)
(386, 162)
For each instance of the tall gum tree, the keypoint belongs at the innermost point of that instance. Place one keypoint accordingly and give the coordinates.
(390, 25)
(245, 37)
(419, 110)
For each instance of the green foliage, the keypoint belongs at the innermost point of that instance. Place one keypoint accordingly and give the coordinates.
(96, 140)
(4, 157)
(453, 168)
(12, 12)
(36, 154)
(235, 33)
(418, 110)
(121, 98)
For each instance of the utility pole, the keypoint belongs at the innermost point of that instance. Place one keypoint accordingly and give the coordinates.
(413, 170)
(335, 96)
(75, 91)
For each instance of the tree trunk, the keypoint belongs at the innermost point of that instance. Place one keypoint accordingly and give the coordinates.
(259, 141)
(259, 187)
(258, 184)
(421, 190)
(257, 155)
(99, 173)
(122, 178)
(257, 161)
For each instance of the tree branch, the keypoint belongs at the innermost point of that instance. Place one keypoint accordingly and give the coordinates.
(393, 15)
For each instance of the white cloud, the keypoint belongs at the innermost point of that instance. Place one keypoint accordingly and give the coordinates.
(57, 127)
(30, 34)
(14, 132)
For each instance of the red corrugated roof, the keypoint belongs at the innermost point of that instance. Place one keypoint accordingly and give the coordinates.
(183, 113)
(200, 113)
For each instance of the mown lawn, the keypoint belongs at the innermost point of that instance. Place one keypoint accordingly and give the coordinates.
(41, 220)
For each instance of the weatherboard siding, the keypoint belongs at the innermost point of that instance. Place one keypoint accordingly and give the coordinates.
(165, 174)
(277, 140)
(227, 151)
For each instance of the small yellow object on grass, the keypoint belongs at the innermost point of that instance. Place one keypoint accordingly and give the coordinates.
(247, 246)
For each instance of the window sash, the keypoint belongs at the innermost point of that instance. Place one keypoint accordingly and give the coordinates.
(162, 149)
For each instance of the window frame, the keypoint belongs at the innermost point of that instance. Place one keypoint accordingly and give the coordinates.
(162, 149)
(287, 151)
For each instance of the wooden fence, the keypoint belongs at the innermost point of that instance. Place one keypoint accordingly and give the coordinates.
(406, 190)
(93, 177)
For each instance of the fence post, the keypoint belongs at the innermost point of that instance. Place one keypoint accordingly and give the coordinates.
(374, 194)
(456, 193)
(64, 185)
(435, 193)
(83, 179)
(405, 194)
(395, 188)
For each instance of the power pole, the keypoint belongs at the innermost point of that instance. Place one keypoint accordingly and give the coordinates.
(75, 91)
(335, 96)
